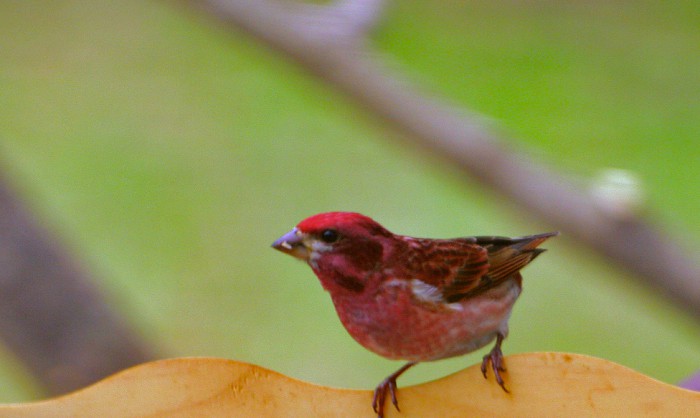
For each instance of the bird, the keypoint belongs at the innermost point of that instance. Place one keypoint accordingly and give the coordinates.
(414, 299)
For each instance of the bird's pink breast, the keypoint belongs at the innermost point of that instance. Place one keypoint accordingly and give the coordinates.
(392, 323)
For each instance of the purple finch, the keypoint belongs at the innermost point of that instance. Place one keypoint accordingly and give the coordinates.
(414, 299)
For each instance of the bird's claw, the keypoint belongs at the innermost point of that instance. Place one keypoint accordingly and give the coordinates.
(388, 384)
(495, 357)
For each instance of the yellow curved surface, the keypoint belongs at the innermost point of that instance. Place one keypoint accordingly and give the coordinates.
(541, 384)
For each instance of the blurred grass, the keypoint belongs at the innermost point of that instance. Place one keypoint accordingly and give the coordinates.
(168, 154)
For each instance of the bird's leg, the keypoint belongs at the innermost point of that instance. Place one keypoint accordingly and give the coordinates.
(388, 384)
(495, 357)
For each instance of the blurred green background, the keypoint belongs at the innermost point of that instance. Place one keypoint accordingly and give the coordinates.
(168, 153)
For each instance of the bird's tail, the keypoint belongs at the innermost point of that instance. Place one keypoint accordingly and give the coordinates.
(530, 243)
(508, 255)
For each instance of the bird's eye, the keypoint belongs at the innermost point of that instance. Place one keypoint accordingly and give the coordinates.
(329, 236)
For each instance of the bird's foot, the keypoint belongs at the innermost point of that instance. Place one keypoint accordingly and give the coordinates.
(495, 357)
(387, 385)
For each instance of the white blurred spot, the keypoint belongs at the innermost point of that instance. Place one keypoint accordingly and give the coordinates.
(618, 192)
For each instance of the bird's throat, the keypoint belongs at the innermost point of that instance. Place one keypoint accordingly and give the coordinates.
(350, 283)
(336, 282)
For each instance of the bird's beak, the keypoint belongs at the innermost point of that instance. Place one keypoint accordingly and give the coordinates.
(292, 243)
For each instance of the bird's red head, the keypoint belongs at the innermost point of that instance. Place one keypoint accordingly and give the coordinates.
(349, 222)
(336, 241)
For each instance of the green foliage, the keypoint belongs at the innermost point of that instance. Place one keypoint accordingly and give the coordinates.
(168, 154)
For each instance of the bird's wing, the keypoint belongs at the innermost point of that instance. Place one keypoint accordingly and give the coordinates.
(461, 268)
(442, 269)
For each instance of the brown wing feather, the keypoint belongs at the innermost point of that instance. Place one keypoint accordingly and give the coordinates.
(462, 268)
(506, 257)
(451, 266)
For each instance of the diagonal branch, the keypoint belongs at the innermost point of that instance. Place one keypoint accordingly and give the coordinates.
(464, 140)
(342, 20)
